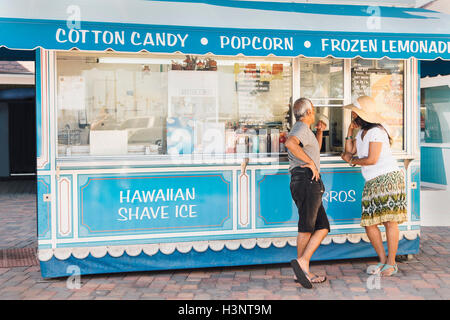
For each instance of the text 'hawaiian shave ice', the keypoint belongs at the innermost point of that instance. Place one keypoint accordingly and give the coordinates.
(156, 204)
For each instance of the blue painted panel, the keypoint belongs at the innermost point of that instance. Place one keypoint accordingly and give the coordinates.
(43, 208)
(274, 205)
(60, 268)
(342, 196)
(432, 167)
(156, 203)
(341, 199)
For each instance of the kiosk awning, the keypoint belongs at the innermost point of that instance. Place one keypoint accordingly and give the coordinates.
(226, 28)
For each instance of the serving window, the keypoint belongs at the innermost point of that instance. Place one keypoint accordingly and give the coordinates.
(322, 81)
(178, 105)
(332, 83)
(111, 105)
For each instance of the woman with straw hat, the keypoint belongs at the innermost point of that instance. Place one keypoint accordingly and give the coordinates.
(383, 198)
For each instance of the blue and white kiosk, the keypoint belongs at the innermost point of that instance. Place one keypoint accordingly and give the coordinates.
(161, 124)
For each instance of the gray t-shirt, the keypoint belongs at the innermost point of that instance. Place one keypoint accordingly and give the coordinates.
(309, 142)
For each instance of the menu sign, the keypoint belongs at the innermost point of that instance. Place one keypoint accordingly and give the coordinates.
(385, 85)
(360, 83)
(388, 91)
(251, 81)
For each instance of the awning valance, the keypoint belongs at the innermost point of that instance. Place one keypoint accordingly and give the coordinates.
(223, 27)
(434, 68)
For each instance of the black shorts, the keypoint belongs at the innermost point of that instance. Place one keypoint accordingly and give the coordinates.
(307, 195)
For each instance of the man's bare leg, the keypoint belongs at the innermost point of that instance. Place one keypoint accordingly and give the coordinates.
(314, 242)
(302, 242)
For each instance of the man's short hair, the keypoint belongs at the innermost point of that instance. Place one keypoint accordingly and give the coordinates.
(301, 106)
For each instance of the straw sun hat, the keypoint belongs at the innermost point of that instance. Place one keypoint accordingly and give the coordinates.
(367, 109)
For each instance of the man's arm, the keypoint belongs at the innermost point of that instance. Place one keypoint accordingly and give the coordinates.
(319, 137)
(293, 144)
(319, 132)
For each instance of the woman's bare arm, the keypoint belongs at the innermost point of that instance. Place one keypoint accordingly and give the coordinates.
(373, 156)
(350, 144)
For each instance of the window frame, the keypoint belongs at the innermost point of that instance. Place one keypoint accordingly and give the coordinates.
(411, 133)
(156, 159)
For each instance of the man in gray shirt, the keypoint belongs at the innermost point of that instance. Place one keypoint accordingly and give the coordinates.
(307, 189)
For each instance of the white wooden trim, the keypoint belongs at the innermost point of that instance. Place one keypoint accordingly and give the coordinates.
(22, 79)
(438, 81)
(201, 246)
(435, 145)
(435, 186)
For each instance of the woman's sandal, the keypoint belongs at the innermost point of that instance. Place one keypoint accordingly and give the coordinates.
(388, 266)
(375, 268)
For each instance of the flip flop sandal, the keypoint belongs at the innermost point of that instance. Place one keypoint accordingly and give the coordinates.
(388, 266)
(315, 277)
(300, 274)
(318, 277)
(375, 268)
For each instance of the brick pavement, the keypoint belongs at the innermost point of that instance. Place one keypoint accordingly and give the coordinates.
(17, 214)
(425, 276)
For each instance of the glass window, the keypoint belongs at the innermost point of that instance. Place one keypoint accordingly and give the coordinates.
(322, 81)
(111, 104)
(435, 115)
(384, 81)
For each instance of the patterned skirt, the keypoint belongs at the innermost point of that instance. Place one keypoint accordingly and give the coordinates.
(384, 199)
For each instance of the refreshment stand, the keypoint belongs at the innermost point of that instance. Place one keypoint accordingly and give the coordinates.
(161, 125)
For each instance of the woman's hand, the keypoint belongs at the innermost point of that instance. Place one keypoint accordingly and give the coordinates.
(353, 125)
(314, 170)
(346, 156)
(351, 128)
